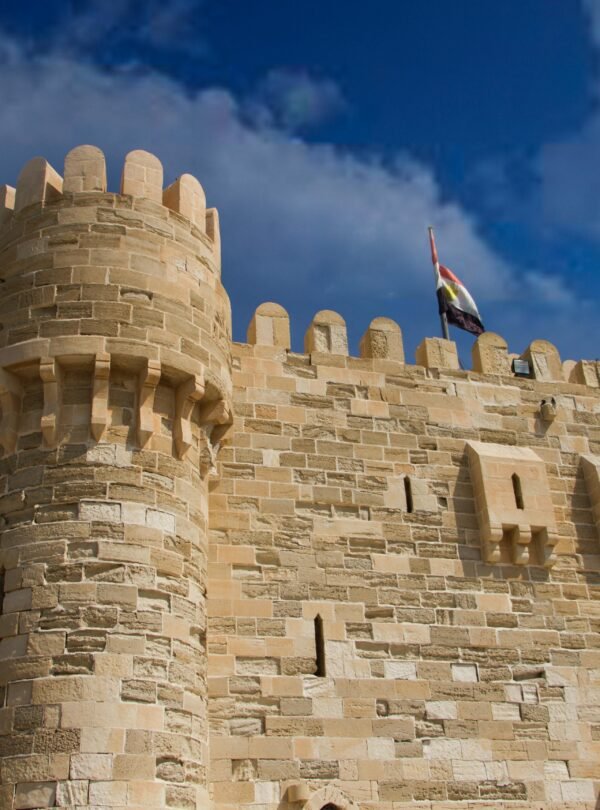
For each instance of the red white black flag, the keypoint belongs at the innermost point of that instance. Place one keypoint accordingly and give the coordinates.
(454, 300)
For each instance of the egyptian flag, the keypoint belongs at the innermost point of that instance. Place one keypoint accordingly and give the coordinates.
(454, 300)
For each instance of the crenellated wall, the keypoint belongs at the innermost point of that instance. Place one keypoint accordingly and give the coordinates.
(404, 576)
(237, 576)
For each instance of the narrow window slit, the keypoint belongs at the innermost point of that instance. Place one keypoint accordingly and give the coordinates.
(319, 647)
(516, 483)
(409, 494)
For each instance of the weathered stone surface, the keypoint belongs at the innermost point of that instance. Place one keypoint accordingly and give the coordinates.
(437, 353)
(327, 334)
(490, 354)
(304, 611)
(383, 340)
(270, 326)
(103, 625)
(85, 170)
(142, 176)
(544, 360)
(187, 197)
(38, 183)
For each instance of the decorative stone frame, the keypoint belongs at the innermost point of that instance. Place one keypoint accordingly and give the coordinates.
(512, 497)
(329, 795)
(591, 469)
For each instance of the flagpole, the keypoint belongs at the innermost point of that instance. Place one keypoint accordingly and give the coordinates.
(444, 323)
(436, 275)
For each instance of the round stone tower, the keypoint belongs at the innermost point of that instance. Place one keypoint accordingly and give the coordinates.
(114, 394)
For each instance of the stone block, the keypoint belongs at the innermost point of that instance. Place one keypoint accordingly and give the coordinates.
(585, 372)
(213, 232)
(142, 176)
(326, 334)
(100, 388)
(85, 170)
(544, 361)
(383, 341)
(437, 353)
(298, 793)
(72, 793)
(490, 355)
(270, 326)
(7, 203)
(187, 197)
(37, 183)
(34, 795)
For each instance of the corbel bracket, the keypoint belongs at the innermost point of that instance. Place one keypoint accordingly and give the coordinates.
(186, 396)
(11, 396)
(51, 375)
(147, 383)
(100, 385)
(216, 419)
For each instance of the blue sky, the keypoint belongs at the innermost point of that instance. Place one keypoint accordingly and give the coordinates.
(330, 135)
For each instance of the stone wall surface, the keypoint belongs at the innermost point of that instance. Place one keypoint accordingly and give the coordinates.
(450, 681)
(114, 385)
(234, 576)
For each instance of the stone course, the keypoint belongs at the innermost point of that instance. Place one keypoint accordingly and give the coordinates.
(237, 576)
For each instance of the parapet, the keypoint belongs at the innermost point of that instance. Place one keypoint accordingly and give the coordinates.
(326, 343)
(85, 172)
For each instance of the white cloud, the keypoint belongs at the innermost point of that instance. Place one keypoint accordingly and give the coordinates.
(592, 9)
(300, 220)
(548, 288)
(305, 205)
(569, 185)
(153, 23)
(294, 99)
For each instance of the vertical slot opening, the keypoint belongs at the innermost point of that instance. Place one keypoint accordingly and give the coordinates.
(320, 671)
(516, 484)
(409, 494)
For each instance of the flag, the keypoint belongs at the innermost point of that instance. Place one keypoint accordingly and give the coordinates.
(454, 300)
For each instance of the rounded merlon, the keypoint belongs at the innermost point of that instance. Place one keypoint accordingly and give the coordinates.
(327, 334)
(85, 170)
(270, 326)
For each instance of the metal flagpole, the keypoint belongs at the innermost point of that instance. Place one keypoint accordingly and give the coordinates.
(436, 274)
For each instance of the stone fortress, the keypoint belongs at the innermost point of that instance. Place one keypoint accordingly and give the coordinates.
(235, 576)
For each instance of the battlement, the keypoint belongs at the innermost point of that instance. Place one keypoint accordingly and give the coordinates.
(100, 284)
(382, 348)
(39, 184)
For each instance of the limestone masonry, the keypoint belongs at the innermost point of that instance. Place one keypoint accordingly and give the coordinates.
(234, 576)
